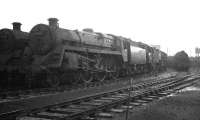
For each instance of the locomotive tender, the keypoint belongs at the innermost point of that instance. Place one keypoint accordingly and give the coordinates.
(59, 56)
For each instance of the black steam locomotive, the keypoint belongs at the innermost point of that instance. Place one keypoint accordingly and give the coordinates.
(54, 56)
(12, 63)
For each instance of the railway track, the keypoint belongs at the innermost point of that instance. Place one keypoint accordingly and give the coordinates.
(94, 105)
(17, 105)
(11, 95)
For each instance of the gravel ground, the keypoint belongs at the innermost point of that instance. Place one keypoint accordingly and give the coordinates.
(182, 106)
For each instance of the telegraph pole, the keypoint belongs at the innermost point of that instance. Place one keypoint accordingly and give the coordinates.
(167, 50)
(197, 51)
(129, 97)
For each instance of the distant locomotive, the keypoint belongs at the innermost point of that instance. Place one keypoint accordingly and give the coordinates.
(12, 46)
(73, 56)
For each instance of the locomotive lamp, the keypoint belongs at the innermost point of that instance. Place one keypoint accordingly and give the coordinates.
(17, 26)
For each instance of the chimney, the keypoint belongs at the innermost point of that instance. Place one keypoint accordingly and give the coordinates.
(17, 26)
(53, 22)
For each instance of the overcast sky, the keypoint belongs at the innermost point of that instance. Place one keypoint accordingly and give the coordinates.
(173, 24)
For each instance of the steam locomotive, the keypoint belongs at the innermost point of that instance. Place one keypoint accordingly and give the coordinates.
(54, 56)
(12, 45)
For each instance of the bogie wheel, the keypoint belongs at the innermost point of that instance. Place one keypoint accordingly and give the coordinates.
(85, 76)
(52, 80)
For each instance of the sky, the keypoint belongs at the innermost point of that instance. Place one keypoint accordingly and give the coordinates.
(172, 24)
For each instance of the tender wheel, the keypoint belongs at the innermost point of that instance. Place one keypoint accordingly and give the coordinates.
(114, 75)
